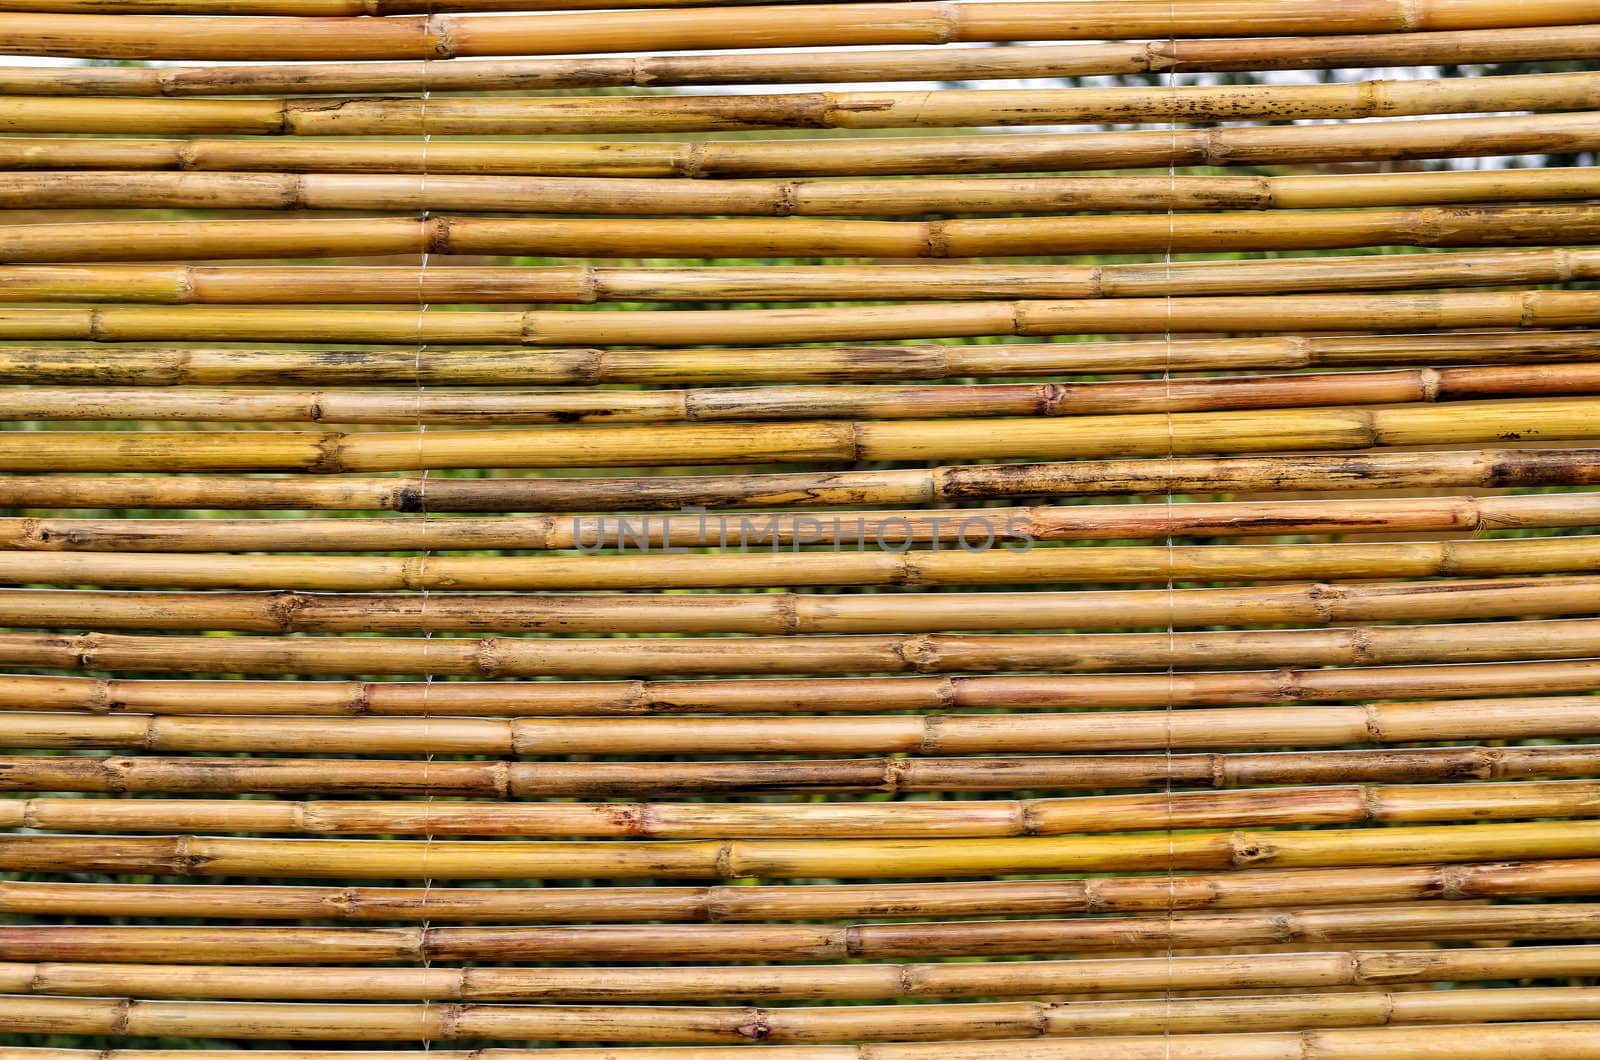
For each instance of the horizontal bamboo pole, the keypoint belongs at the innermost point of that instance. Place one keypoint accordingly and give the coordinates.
(1334, 968)
(1487, 1041)
(348, 8)
(804, 237)
(960, 566)
(1042, 523)
(931, 734)
(670, 114)
(187, 365)
(810, 695)
(708, 405)
(503, 779)
(849, 156)
(1242, 889)
(815, 67)
(126, 36)
(1496, 468)
(682, 943)
(668, 445)
(1083, 815)
(773, 613)
(487, 657)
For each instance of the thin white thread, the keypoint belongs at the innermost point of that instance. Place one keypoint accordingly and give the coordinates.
(1172, 639)
(425, 552)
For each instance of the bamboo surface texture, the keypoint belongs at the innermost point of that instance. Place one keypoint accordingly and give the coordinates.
(556, 528)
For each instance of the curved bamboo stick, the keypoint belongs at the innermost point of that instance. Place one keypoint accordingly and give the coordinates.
(1041, 523)
(810, 695)
(852, 156)
(1496, 468)
(679, 943)
(669, 445)
(772, 613)
(187, 365)
(968, 565)
(513, 408)
(808, 237)
(359, 284)
(671, 114)
(502, 779)
(410, 37)
(1242, 889)
(932, 734)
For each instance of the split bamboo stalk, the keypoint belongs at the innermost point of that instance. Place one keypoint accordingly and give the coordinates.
(1430, 226)
(503, 779)
(957, 1023)
(434, 37)
(1496, 468)
(670, 445)
(1241, 889)
(1238, 145)
(187, 365)
(1041, 523)
(967, 819)
(1257, 971)
(813, 695)
(931, 734)
(683, 943)
(787, 67)
(487, 657)
(671, 114)
(358, 284)
(525, 407)
(775, 613)
(933, 567)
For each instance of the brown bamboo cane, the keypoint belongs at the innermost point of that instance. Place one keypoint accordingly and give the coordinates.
(1241, 889)
(1561, 1040)
(933, 567)
(411, 37)
(487, 657)
(357, 284)
(967, 819)
(1430, 226)
(503, 779)
(1496, 468)
(670, 445)
(812, 695)
(1041, 523)
(949, 108)
(684, 943)
(681, 327)
(1335, 968)
(772, 613)
(516, 408)
(348, 8)
(788, 67)
(933, 734)
(853, 156)
(188, 365)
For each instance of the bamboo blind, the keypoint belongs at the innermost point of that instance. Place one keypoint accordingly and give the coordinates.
(648, 533)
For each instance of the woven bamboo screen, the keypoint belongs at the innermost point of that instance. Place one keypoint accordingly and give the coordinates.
(658, 532)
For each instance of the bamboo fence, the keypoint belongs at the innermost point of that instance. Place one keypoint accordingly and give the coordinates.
(1111, 608)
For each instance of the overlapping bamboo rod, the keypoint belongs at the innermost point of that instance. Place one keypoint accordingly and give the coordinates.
(1334, 968)
(357, 284)
(812, 67)
(503, 779)
(931, 734)
(1040, 523)
(773, 613)
(684, 943)
(853, 156)
(951, 108)
(1430, 226)
(813, 695)
(411, 37)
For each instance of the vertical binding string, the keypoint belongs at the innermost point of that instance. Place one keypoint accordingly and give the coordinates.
(426, 551)
(1171, 77)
